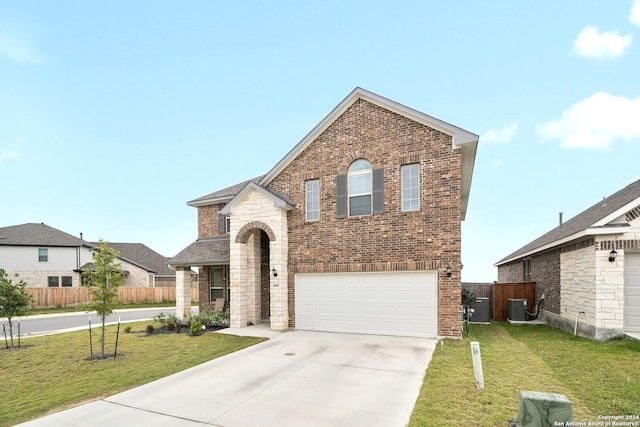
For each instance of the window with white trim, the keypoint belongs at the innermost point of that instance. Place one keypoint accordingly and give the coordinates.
(410, 187)
(43, 255)
(312, 200)
(359, 188)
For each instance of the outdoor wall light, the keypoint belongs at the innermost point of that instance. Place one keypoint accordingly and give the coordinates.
(448, 270)
(274, 272)
(612, 255)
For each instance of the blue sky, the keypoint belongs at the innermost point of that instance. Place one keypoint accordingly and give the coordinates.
(114, 115)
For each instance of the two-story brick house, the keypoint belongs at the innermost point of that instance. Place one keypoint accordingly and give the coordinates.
(357, 229)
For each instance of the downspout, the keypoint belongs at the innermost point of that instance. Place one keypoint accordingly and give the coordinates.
(575, 328)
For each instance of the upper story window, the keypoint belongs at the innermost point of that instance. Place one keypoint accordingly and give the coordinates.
(410, 188)
(312, 200)
(43, 255)
(360, 191)
(359, 188)
(224, 221)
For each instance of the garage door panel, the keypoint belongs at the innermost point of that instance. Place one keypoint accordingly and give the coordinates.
(398, 303)
(632, 292)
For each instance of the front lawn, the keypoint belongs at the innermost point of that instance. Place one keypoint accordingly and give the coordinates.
(51, 373)
(600, 378)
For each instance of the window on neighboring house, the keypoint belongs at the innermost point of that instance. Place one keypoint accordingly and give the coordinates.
(67, 281)
(216, 283)
(359, 188)
(526, 270)
(313, 200)
(410, 188)
(53, 281)
(43, 255)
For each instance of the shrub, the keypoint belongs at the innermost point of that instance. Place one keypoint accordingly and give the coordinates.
(195, 328)
(127, 330)
(150, 329)
(171, 327)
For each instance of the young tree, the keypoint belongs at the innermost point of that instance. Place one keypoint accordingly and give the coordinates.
(103, 282)
(14, 300)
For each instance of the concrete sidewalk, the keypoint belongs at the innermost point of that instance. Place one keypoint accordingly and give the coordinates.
(296, 378)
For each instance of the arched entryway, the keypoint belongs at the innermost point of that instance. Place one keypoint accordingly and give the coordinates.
(257, 277)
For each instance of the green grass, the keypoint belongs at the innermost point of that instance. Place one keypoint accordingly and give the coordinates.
(51, 373)
(600, 378)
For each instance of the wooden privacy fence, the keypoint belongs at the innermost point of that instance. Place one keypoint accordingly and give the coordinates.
(71, 297)
(503, 292)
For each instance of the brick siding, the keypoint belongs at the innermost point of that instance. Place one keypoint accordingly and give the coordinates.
(426, 239)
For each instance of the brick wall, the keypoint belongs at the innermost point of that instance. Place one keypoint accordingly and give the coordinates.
(428, 239)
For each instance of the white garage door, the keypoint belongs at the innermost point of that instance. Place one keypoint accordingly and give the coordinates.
(632, 292)
(394, 303)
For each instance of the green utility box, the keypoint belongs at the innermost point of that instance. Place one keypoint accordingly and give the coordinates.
(536, 409)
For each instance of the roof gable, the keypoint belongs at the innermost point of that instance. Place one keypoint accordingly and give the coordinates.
(459, 135)
(279, 201)
(608, 216)
(466, 141)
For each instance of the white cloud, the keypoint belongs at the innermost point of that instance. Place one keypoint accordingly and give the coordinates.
(502, 135)
(594, 44)
(635, 13)
(18, 51)
(11, 151)
(596, 122)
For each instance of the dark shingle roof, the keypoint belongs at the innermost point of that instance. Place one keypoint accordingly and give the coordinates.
(582, 221)
(32, 234)
(228, 192)
(144, 256)
(213, 250)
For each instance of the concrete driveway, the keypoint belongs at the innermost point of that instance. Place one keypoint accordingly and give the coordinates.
(297, 378)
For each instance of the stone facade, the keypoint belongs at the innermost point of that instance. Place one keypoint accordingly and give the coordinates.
(246, 260)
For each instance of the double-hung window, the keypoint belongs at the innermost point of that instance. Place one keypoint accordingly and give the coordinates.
(312, 200)
(43, 255)
(410, 188)
(359, 188)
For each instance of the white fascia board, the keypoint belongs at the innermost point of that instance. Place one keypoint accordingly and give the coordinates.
(578, 235)
(277, 201)
(620, 212)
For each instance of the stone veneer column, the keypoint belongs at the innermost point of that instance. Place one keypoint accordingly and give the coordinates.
(238, 276)
(183, 292)
(278, 259)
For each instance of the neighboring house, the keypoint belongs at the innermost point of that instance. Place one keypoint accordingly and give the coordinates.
(356, 229)
(43, 256)
(588, 268)
(155, 271)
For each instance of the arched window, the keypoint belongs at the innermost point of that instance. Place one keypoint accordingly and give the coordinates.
(359, 188)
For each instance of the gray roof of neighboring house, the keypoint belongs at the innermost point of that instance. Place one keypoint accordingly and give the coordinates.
(214, 250)
(32, 234)
(224, 194)
(144, 256)
(582, 221)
